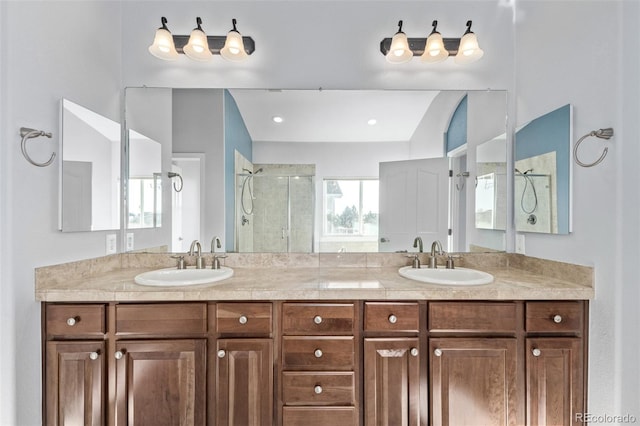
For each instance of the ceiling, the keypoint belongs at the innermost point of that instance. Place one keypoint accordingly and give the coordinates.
(332, 115)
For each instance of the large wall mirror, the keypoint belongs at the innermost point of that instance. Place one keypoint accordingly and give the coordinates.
(320, 170)
(543, 166)
(90, 170)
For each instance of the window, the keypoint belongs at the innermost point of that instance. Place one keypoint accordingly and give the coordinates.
(350, 208)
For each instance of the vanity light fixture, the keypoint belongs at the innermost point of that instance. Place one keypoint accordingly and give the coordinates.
(434, 48)
(199, 46)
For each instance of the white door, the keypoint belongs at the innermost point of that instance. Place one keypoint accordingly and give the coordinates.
(414, 202)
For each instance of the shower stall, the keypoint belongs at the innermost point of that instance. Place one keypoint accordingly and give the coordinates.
(534, 202)
(275, 209)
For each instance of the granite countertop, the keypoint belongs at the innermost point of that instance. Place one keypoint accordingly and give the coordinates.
(113, 280)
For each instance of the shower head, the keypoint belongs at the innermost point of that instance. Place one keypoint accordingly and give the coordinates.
(258, 171)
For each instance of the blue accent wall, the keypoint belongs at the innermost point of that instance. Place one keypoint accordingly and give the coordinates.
(548, 133)
(236, 138)
(457, 131)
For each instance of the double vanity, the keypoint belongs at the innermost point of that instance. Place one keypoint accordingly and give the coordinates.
(315, 339)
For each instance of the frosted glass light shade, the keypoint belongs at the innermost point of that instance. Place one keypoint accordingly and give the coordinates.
(399, 51)
(198, 47)
(469, 50)
(233, 49)
(163, 46)
(434, 50)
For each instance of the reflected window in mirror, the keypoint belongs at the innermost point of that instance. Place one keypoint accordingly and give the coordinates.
(350, 212)
(145, 182)
(90, 171)
(542, 175)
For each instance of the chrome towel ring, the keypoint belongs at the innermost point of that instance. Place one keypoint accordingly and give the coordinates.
(28, 133)
(602, 134)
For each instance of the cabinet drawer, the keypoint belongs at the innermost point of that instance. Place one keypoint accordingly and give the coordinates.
(386, 316)
(319, 416)
(318, 353)
(162, 319)
(315, 388)
(554, 317)
(75, 320)
(318, 318)
(244, 318)
(477, 317)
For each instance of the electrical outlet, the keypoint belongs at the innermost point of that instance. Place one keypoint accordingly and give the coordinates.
(129, 241)
(112, 247)
(520, 243)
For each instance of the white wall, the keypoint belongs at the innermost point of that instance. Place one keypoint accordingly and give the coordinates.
(49, 50)
(567, 51)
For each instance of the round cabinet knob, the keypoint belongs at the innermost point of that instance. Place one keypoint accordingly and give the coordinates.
(243, 319)
(437, 352)
(72, 321)
(318, 353)
(317, 389)
(393, 319)
(557, 319)
(414, 352)
(94, 355)
(119, 354)
(222, 353)
(536, 352)
(317, 319)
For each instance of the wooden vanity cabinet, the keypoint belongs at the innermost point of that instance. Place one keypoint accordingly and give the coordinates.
(74, 364)
(392, 364)
(320, 368)
(244, 366)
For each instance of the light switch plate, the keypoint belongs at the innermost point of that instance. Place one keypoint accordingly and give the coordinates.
(520, 243)
(129, 241)
(112, 247)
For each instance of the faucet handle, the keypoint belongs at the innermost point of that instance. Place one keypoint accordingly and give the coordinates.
(181, 264)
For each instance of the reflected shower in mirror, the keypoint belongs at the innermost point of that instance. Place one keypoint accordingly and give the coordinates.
(542, 179)
(90, 172)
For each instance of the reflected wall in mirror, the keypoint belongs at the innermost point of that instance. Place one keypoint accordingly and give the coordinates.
(145, 182)
(90, 172)
(343, 136)
(542, 180)
(491, 184)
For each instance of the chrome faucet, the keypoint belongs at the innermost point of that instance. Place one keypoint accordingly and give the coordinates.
(436, 249)
(417, 243)
(195, 245)
(215, 243)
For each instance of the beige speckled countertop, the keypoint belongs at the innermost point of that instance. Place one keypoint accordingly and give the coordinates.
(313, 277)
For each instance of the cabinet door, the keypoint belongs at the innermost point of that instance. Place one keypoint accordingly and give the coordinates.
(161, 382)
(244, 379)
(554, 381)
(392, 381)
(473, 381)
(75, 382)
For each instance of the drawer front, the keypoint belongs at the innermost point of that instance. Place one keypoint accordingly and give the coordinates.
(318, 318)
(244, 318)
(319, 416)
(316, 388)
(391, 316)
(162, 319)
(75, 320)
(566, 317)
(477, 317)
(318, 353)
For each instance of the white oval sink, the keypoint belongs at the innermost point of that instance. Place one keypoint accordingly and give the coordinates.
(457, 276)
(182, 277)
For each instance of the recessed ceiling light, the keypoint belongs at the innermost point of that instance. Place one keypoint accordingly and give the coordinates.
(372, 122)
(277, 119)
